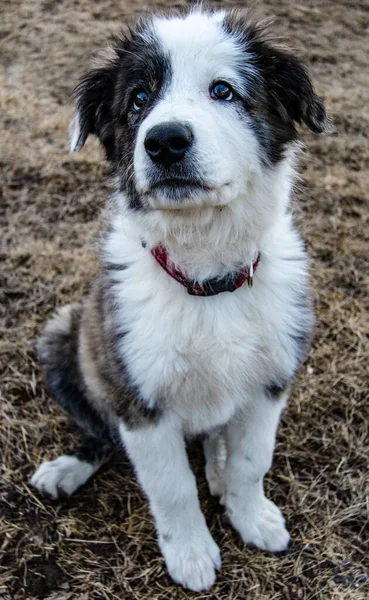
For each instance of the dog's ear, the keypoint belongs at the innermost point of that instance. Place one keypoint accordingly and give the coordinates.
(291, 90)
(285, 81)
(93, 108)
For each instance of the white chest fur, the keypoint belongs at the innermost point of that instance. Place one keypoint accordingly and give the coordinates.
(204, 357)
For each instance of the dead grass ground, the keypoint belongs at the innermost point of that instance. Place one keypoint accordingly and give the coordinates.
(101, 543)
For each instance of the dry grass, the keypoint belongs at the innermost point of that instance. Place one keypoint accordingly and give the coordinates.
(101, 543)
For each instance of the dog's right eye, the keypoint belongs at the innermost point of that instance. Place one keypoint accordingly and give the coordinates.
(140, 99)
(221, 90)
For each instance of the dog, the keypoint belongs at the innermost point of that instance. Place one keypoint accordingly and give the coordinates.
(201, 313)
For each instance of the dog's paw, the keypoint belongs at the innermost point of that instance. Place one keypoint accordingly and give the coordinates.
(263, 526)
(62, 476)
(192, 562)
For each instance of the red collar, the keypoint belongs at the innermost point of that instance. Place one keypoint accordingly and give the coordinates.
(210, 287)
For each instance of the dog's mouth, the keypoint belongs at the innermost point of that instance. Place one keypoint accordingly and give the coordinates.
(183, 193)
(177, 192)
(179, 183)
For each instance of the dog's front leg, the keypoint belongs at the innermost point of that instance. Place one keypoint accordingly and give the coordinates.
(159, 456)
(250, 447)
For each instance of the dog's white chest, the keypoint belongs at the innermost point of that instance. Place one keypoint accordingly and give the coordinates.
(195, 355)
(203, 357)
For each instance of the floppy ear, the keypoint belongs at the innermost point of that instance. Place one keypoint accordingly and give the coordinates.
(286, 83)
(93, 109)
(292, 93)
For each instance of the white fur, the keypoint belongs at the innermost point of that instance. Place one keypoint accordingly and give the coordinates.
(200, 54)
(75, 143)
(62, 475)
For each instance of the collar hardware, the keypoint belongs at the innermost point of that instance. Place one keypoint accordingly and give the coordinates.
(250, 277)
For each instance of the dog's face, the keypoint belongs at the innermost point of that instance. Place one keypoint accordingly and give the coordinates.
(189, 108)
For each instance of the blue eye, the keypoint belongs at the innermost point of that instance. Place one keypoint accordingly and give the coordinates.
(220, 90)
(140, 99)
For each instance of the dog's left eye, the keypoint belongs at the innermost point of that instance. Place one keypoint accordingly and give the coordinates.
(140, 99)
(220, 90)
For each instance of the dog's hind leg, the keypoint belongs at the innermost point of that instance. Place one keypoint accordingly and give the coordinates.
(58, 352)
(64, 475)
(215, 453)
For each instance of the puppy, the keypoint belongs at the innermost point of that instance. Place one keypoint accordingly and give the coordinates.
(201, 313)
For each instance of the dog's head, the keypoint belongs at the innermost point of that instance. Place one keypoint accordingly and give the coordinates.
(188, 108)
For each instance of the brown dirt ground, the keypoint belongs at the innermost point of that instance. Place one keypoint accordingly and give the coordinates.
(101, 543)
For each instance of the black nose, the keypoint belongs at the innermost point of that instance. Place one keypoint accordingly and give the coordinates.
(167, 143)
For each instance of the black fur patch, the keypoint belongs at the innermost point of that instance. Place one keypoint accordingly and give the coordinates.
(104, 99)
(61, 364)
(280, 92)
(58, 353)
(95, 450)
(114, 267)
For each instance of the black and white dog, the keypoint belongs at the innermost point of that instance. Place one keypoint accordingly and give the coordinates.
(201, 314)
